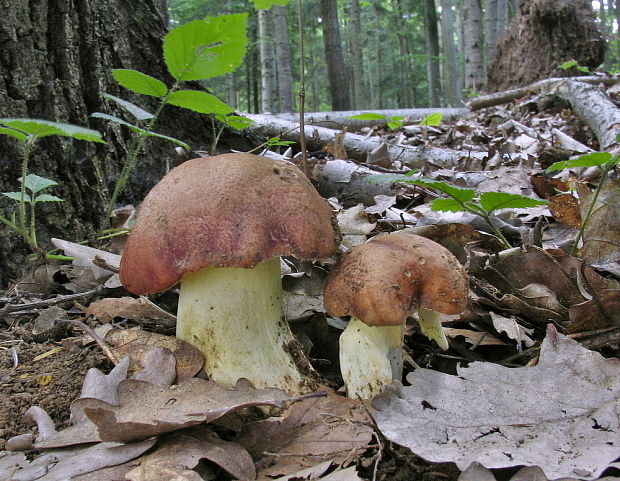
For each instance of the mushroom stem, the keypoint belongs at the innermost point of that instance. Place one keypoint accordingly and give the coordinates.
(234, 317)
(430, 324)
(370, 357)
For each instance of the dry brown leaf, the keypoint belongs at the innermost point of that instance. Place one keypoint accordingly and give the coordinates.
(180, 452)
(565, 208)
(313, 430)
(107, 309)
(137, 343)
(588, 315)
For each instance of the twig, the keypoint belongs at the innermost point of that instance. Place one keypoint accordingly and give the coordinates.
(47, 302)
(98, 339)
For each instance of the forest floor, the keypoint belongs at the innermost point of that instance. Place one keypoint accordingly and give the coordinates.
(45, 364)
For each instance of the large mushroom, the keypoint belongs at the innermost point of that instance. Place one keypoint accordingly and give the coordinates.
(218, 226)
(381, 283)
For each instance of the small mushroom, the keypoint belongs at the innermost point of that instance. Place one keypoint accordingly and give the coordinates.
(381, 283)
(218, 225)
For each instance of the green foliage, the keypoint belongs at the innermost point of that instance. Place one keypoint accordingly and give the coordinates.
(432, 120)
(33, 129)
(140, 82)
(277, 142)
(236, 122)
(605, 162)
(267, 4)
(35, 184)
(393, 123)
(462, 199)
(198, 101)
(573, 63)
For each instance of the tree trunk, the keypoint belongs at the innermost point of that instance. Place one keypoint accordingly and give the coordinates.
(451, 88)
(432, 52)
(336, 69)
(267, 62)
(472, 45)
(283, 59)
(55, 64)
(491, 11)
(357, 62)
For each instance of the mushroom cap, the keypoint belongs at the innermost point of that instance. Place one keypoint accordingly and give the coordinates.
(231, 210)
(388, 278)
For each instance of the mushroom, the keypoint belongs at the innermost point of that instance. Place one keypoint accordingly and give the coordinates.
(218, 225)
(381, 283)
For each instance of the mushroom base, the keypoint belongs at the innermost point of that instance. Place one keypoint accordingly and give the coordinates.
(234, 317)
(370, 357)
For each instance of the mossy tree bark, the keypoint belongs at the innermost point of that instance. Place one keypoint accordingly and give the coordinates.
(55, 63)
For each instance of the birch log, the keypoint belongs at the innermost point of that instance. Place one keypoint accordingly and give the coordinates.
(358, 146)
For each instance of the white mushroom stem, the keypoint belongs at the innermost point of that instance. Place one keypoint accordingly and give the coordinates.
(370, 357)
(430, 324)
(234, 317)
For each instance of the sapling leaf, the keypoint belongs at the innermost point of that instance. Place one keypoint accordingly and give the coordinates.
(367, 116)
(206, 48)
(237, 122)
(198, 101)
(35, 183)
(432, 120)
(460, 193)
(42, 128)
(594, 159)
(140, 82)
(47, 198)
(446, 205)
(267, 4)
(133, 109)
(491, 201)
(276, 141)
(14, 133)
(17, 196)
(568, 64)
(395, 122)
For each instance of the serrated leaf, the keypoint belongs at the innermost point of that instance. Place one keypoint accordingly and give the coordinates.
(35, 183)
(14, 133)
(206, 48)
(17, 196)
(460, 193)
(432, 120)
(267, 4)
(140, 82)
(367, 116)
(237, 122)
(133, 109)
(593, 159)
(43, 128)
(491, 201)
(169, 139)
(198, 101)
(446, 205)
(47, 198)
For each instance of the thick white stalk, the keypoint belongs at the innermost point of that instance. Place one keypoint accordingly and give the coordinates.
(370, 357)
(430, 324)
(234, 317)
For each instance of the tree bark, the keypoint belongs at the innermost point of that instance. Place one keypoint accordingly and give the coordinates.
(432, 52)
(336, 69)
(55, 64)
(491, 11)
(357, 61)
(450, 77)
(283, 60)
(267, 62)
(472, 45)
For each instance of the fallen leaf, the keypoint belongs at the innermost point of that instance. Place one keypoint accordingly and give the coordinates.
(110, 307)
(512, 329)
(502, 417)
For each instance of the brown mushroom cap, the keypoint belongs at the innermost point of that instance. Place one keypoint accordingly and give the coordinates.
(385, 280)
(233, 210)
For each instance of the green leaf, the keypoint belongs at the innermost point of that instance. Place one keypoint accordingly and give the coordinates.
(139, 130)
(133, 109)
(237, 122)
(446, 205)
(491, 201)
(47, 198)
(568, 64)
(14, 133)
(199, 102)
(35, 184)
(367, 116)
(267, 4)
(42, 128)
(432, 120)
(17, 196)
(276, 141)
(597, 159)
(460, 193)
(206, 48)
(140, 82)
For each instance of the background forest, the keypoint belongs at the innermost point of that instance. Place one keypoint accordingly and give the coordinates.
(372, 54)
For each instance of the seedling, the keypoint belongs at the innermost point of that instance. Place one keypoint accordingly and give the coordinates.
(605, 162)
(573, 63)
(393, 123)
(28, 132)
(236, 122)
(460, 199)
(198, 50)
(432, 120)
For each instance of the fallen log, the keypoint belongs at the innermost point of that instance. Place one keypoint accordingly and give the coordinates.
(506, 96)
(358, 146)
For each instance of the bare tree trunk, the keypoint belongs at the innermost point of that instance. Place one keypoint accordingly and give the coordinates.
(451, 88)
(357, 61)
(472, 44)
(432, 51)
(283, 59)
(491, 34)
(267, 62)
(231, 90)
(336, 70)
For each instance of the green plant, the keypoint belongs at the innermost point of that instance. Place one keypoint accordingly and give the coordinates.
(198, 50)
(28, 132)
(432, 120)
(236, 122)
(460, 199)
(605, 162)
(393, 123)
(573, 63)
